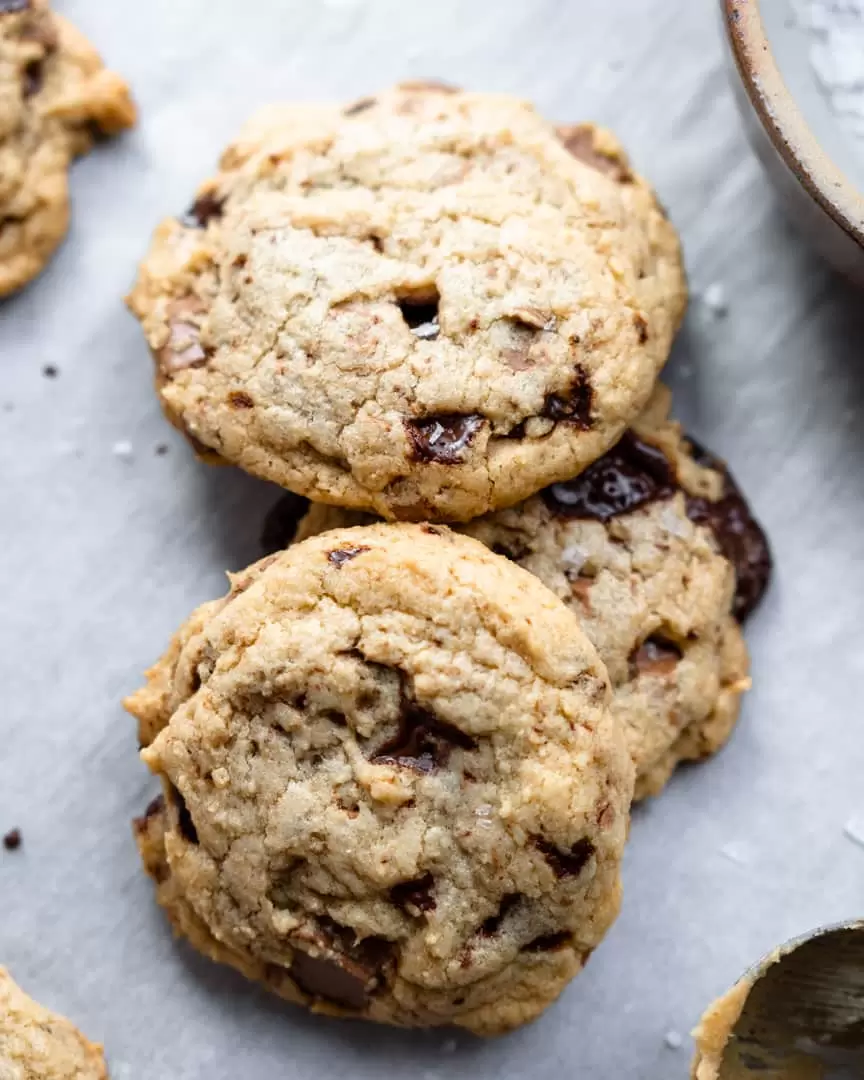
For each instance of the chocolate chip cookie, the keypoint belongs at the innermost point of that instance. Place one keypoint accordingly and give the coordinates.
(55, 99)
(714, 1030)
(429, 304)
(36, 1044)
(656, 551)
(392, 787)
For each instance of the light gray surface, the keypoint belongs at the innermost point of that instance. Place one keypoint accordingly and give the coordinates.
(102, 557)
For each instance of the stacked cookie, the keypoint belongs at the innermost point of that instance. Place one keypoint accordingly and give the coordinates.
(398, 758)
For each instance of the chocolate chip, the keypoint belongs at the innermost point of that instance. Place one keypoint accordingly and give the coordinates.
(548, 942)
(9, 7)
(206, 208)
(655, 656)
(641, 324)
(12, 840)
(338, 967)
(491, 926)
(629, 475)
(443, 439)
(414, 896)
(50, 371)
(239, 399)
(739, 535)
(423, 742)
(184, 818)
(280, 524)
(32, 79)
(360, 106)
(342, 555)
(566, 863)
(573, 406)
(579, 140)
(421, 315)
(154, 808)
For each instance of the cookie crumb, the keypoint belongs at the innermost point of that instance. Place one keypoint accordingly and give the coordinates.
(122, 449)
(673, 1040)
(160, 449)
(714, 300)
(50, 371)
(12, 840)
(854, 830)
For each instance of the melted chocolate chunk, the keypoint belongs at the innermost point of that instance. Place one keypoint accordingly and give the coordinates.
(423, 742)
(205, 209)
(739, 535)
(443, 439)
(342, 555)
(655, 656)
(629, 475)
(32, 78)
(340, 968)
(548, 942)
(491, 926)
(9, 7)
(579, 140)
(184, 818)
(414, 896)
(574, 406)
(12, 840)
(566, 863)
(360, 106)
(280, 524)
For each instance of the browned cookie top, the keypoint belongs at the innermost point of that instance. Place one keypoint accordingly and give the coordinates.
(429, 304)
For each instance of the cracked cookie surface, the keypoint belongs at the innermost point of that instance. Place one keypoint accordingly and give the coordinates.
(55, 99)
(392, 785)
(37, 1044)
(657, 553)
(429, 304)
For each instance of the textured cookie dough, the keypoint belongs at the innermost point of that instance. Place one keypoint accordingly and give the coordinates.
(392, 785)
(429, 304)
(715, 1029)
(55, 99)
(632, 547)
(36, 1044)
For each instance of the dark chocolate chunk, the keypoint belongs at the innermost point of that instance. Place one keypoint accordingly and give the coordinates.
(338, 967)
(443, 439)
(421, 315)
(12, 840)
(574, 406)
(548, 942)
(655, 656)
(184, 818)
(9, 7)
(641, 324)
(280, 524)
(154, 807)
(205, 209)
(414, 896)
(629, 475)
(32, 78)
(360, 106)
(423, 742)
(342, 555)
(491, 926)
(239, 399)
(579, 140)
(566, 863)
(739, 535)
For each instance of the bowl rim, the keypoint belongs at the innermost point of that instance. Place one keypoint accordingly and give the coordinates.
(783, 122)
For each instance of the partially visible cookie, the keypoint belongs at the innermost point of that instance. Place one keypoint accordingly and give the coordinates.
(36, 1044)
(428, 304)
(646, 546)
(392, 785)
(715, 1029)
(55, 99)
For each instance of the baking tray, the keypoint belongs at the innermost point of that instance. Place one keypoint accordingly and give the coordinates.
(103, 552)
